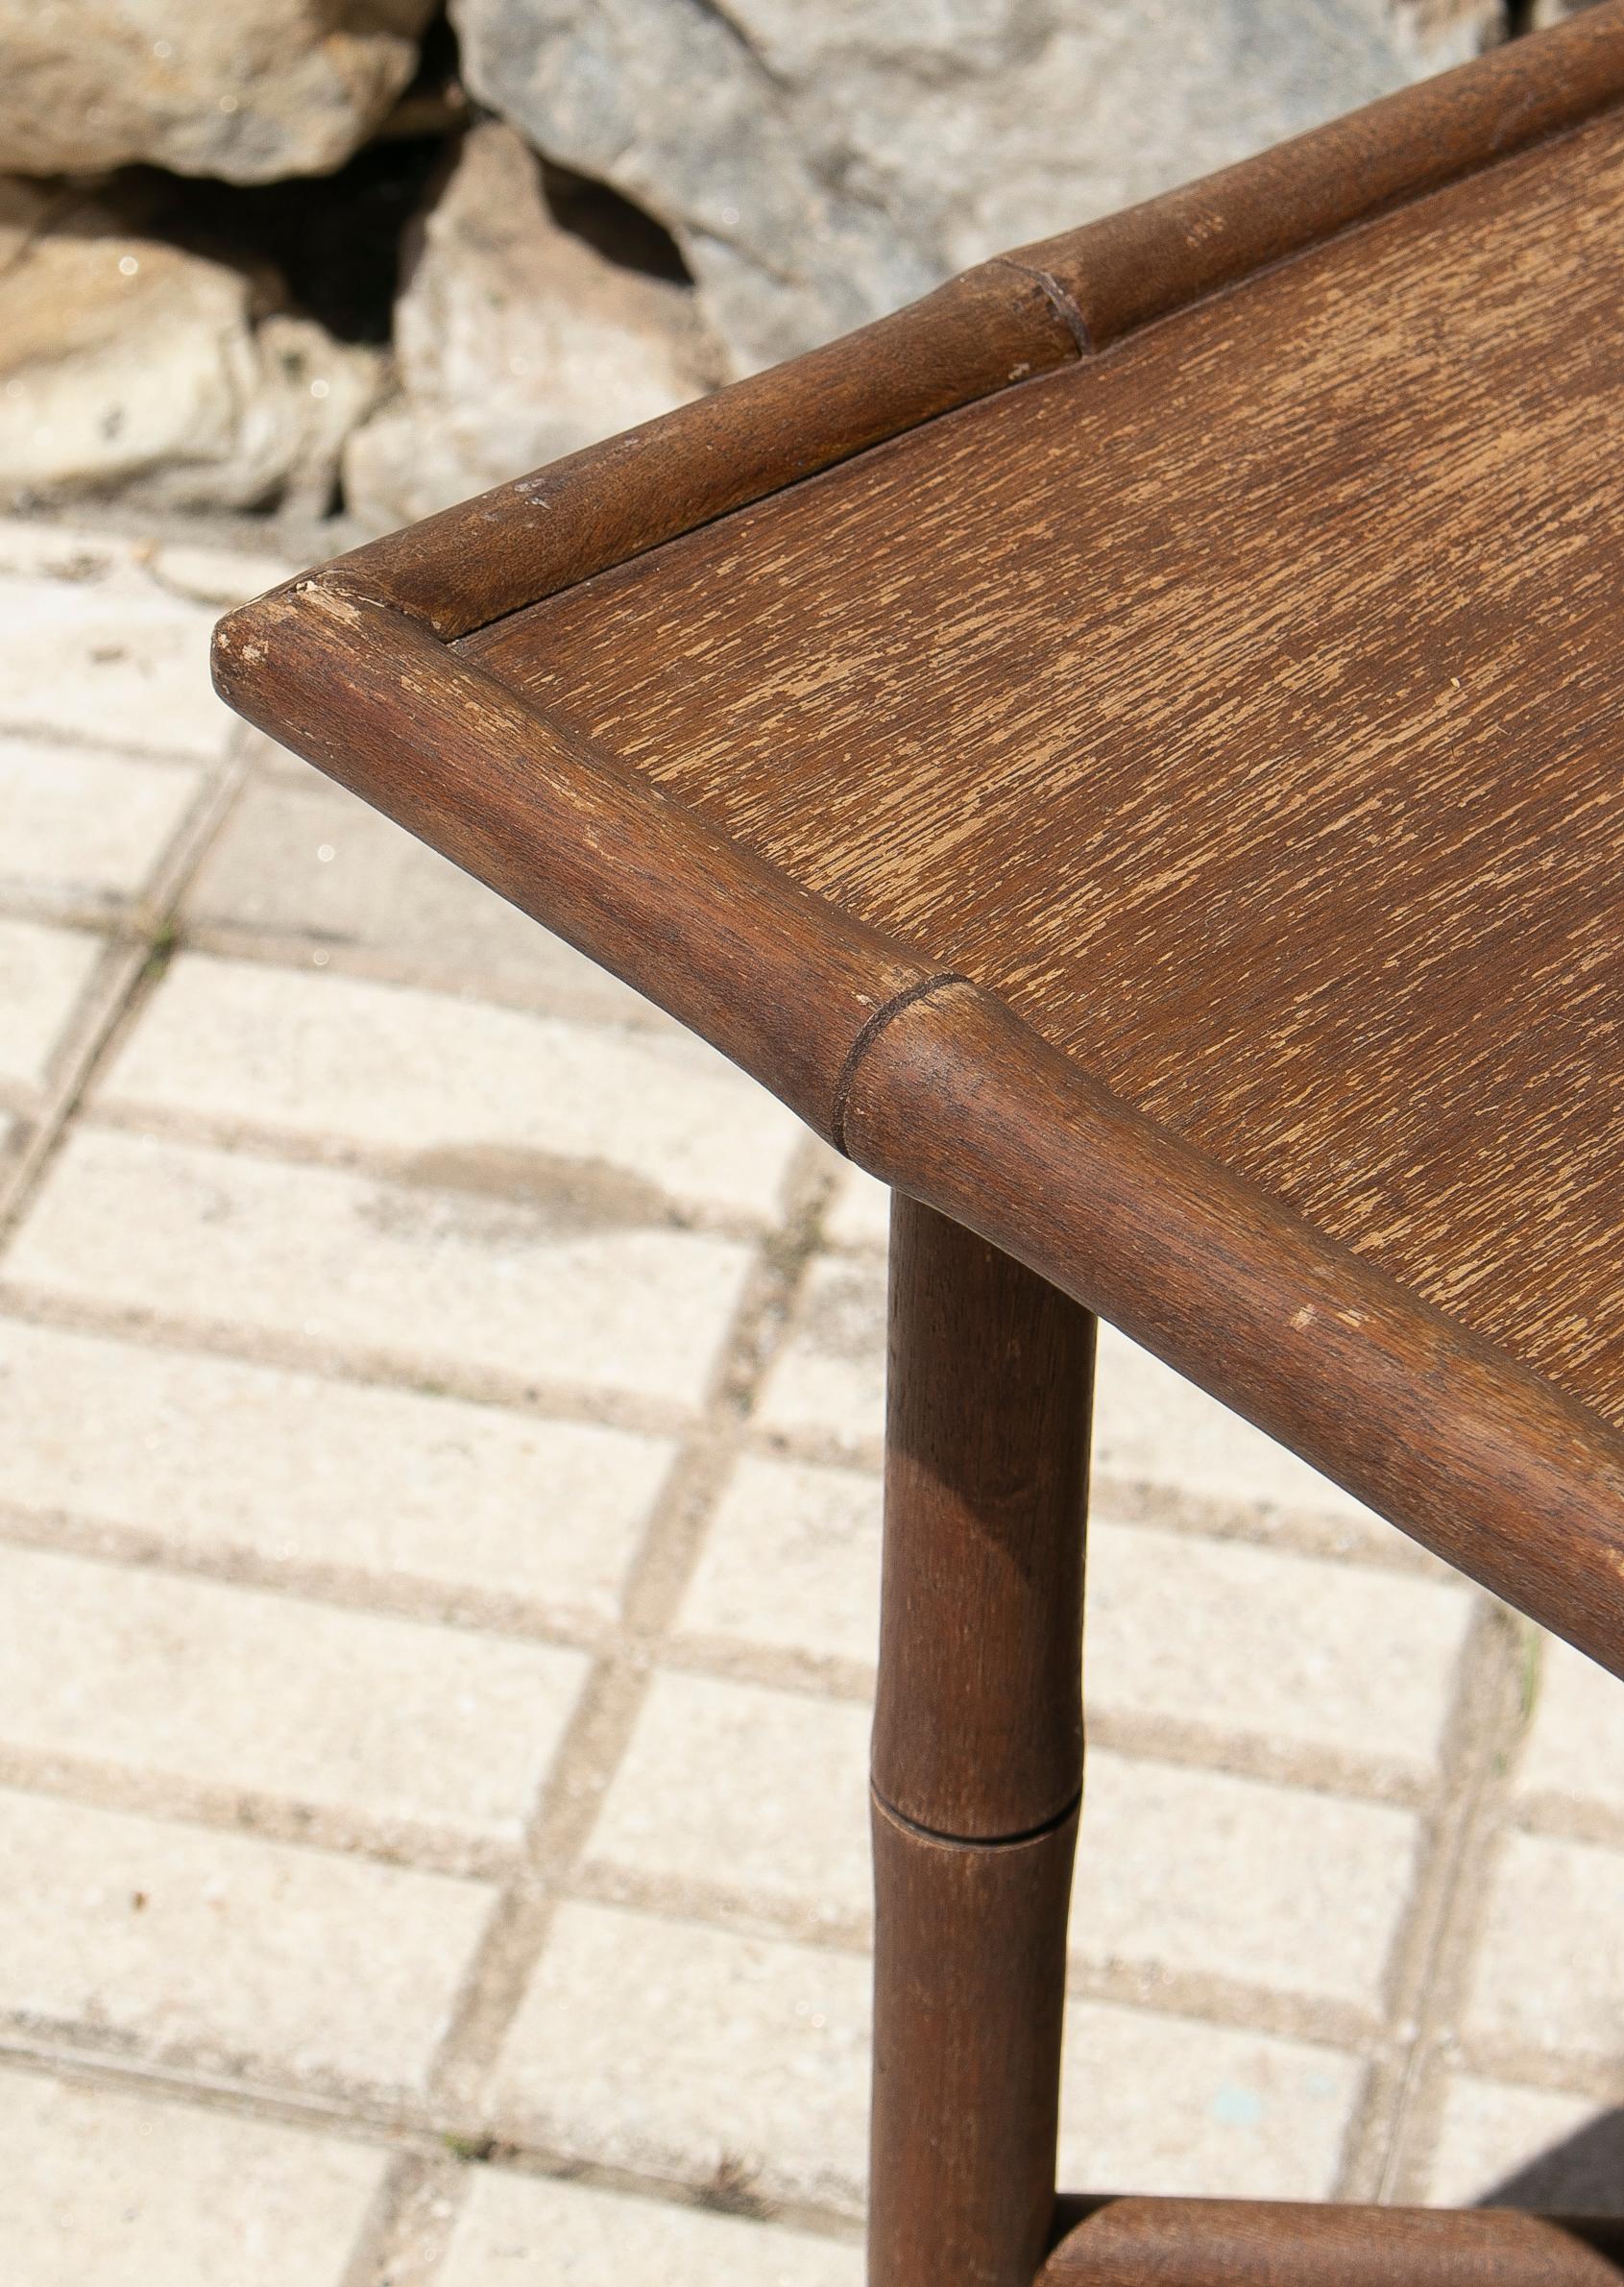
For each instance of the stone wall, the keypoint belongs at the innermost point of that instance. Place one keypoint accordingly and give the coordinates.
(601, 207)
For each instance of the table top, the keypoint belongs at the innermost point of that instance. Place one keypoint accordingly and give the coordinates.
(1135, 753)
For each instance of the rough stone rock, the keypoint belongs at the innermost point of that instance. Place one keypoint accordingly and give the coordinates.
(820, 164)
(516, 342)
(247, 93)
(131, 366)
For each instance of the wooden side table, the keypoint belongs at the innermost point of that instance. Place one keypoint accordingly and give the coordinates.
(1132, 749)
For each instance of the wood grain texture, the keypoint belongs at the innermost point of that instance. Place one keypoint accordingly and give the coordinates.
(1237, 2243)
(1480, 1459)
(473, 563)
(1245, 708)
(977, 1755)
(978, 1726)
(1238, 711)
(969, 1969)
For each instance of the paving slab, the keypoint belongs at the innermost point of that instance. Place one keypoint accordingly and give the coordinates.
(1504, 2146)
(390, 1726)
(245, 1468)
(860, 1212)
(1153, 2103)
(738, 1794)
(790, 1563)
(1278, 1657)
(129, 663)
(424, 1280)
(302, 862)
(1214, 1880)
(195, 1946)
(1259, 1656)
(43, 975)
(470, 1097)
(1151, 1426)
(105, 2188)
(1548, 1980)
(745, 1794)
(521, 2232)
(1572, 1771)
(695, 2054)
(85, 827)
(828, 1381)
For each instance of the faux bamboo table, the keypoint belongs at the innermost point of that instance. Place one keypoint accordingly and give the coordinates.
(1132, 749)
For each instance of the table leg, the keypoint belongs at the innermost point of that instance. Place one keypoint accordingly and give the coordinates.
(977, 1755)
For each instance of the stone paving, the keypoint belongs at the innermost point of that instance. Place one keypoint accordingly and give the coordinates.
(439, 1417)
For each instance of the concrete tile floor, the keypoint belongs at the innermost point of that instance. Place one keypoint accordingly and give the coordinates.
(439, 1418)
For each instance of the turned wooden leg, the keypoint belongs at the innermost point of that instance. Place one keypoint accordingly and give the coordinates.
(977, 1755)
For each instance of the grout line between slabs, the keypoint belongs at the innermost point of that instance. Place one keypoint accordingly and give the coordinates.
(1430, 1954)
(404, 2236)
(1484, 1820)
(137, 958)
(303, 951)
(599, 1735)
(15, 731)
(356, 1365)
(462, 1608)
(382, 1163)
(404, 2125)
(311, 951)
(117, 977)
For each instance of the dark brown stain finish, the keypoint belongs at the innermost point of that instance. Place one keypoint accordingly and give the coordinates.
(1132, 749)
(1246, 709)
(1260, 2243)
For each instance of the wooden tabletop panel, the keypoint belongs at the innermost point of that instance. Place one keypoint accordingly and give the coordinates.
(1245, 707)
